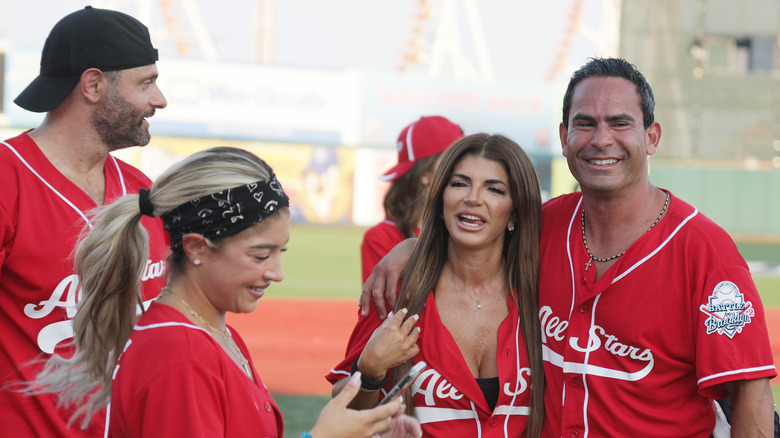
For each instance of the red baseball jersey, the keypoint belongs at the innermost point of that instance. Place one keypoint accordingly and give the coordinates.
(446, 397)
(174, 380)
(377, 242)
(41, 216)
(643, 350)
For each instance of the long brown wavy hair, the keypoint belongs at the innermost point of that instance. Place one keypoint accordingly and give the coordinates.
(405, 199)
(520, 251)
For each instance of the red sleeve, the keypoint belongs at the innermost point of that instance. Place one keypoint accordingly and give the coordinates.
(377, 242)
(732, 341)
(362, 332)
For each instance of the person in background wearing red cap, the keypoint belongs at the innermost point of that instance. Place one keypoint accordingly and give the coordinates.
(97, 86)
(419, 145)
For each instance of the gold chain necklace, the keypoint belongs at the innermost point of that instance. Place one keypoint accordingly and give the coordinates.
(585, 241)
(224, 333)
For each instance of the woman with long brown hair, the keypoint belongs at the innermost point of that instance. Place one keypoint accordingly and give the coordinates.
(471, 289)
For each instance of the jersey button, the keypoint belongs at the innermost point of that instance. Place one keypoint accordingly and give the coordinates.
(583, 308)
(493, 422)
(575, 382)
(574, 434)
(268, 406)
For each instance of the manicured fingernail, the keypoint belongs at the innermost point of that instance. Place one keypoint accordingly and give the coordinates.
(355, 379)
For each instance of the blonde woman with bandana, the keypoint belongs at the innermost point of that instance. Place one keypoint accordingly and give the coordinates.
(179, 370)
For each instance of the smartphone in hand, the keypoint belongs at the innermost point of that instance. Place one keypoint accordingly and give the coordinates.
(405, 382)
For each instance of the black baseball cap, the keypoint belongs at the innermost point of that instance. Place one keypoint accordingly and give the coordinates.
(89, 38)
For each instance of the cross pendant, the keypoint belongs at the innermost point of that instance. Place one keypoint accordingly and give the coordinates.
(587, 265)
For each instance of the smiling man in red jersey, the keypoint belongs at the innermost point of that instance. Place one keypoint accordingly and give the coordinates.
(648, 311)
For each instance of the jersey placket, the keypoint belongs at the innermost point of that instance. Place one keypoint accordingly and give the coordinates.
(577, 353)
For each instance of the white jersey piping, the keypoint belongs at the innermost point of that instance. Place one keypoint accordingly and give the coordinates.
(56, 192)
(730, 373)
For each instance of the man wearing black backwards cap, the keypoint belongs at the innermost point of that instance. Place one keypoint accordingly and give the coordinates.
(97, 86)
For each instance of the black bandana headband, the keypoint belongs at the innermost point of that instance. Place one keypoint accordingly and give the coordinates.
(225, 213)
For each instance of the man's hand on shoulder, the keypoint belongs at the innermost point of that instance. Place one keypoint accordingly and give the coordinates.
(383, 282)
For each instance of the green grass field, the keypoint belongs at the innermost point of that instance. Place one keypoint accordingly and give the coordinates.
(321, 262)
(300, 413)
(769, 288)
(324, 262)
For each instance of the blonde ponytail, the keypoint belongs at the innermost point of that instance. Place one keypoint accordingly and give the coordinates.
(109, 262)
(110, 259)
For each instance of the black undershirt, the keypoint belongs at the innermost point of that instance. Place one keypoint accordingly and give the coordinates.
(489, 389)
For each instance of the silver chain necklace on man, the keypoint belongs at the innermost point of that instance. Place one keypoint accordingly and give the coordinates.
(585, 241)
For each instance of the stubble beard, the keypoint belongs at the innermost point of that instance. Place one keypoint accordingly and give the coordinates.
(119, 124)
